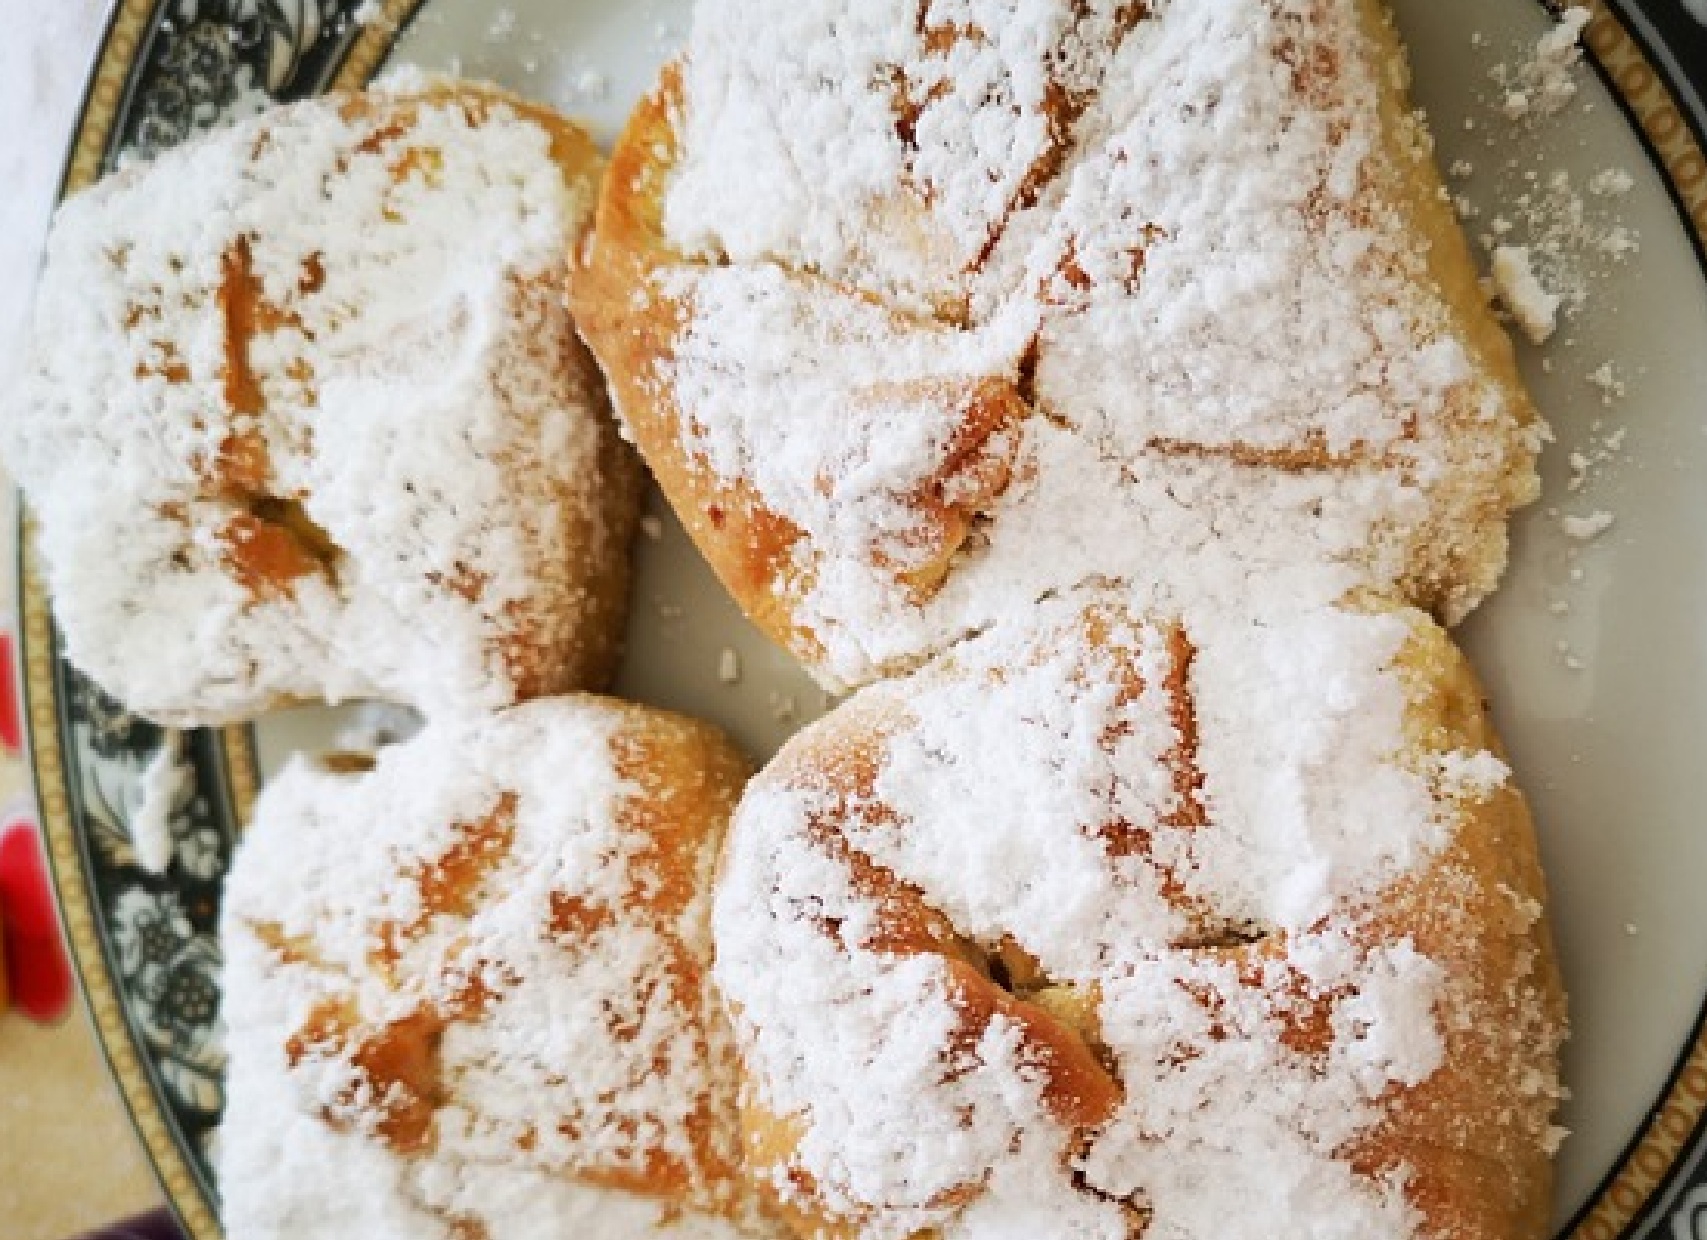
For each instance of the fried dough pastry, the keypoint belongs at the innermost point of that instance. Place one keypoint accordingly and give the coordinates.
(1114, 927)
(466, 988)
(922, 310)
(306, 416)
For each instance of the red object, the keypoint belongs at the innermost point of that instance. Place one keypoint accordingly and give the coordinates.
(38, 972)
(11, 707)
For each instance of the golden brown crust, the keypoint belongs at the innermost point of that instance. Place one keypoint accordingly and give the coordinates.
(632, 328)
(604, 557)
(687, 778)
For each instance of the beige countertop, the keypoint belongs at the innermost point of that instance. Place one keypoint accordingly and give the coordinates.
(69, 1161)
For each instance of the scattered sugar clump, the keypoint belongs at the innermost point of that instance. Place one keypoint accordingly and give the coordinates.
(729, 666)
(1534, 308)
(1597, 449)
(1611, 386)
(1585, 528)
(1567, 245)
(1542, 85)
(580, 84)
(1558, 236)
(1610, 183)
(591, 84)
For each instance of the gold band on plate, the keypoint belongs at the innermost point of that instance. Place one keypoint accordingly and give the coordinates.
(1626, 1194)
(370, 49)
(129, 25)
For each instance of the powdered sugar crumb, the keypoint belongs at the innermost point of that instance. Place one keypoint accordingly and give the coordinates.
(1475, 775)
(1612, 388)
(592, 85)
(1611, 183)
(165, 781)
(502, 25)
(1569, 234)
(1584, 528)
(1535, 309)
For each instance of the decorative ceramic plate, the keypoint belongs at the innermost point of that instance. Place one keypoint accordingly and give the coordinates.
(1595, 652)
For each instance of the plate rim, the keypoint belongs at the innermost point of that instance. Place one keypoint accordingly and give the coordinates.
(1633, 1192)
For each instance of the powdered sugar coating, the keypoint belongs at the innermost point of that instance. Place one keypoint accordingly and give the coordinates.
(771, 357)
(306, 416)
(1182, 843)
(467, 987)
(1198, 246)
(1237, 270)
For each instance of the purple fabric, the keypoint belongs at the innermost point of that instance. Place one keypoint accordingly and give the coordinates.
(158, 1225)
